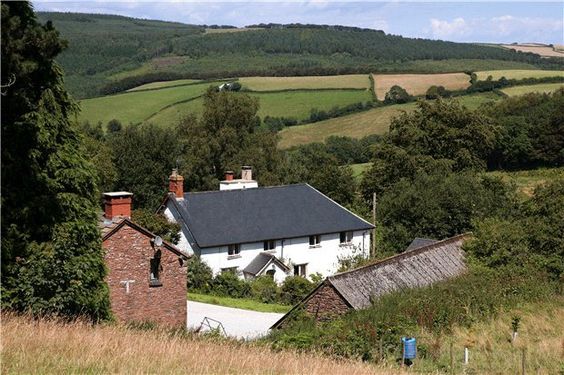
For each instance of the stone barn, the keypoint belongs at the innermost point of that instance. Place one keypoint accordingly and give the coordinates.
(423, 263)
(146, 275)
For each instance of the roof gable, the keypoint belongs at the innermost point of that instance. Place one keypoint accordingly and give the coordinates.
(420, 267)
(219, 218)
(261, 261)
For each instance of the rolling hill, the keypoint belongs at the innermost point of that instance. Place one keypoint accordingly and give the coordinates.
(109, 54)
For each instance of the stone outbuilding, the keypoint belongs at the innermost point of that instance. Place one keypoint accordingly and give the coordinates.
(146, 275)
(423, 263)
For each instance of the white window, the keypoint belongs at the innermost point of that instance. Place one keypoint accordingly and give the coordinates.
(269, 245)
(300, 270)
(346, 238)
(234, 249)
(315, 241)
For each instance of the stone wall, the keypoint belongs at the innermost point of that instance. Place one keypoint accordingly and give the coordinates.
(127, 254)
(325, 304)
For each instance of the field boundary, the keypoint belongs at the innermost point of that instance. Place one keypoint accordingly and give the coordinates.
(170, 105)
(202, 82)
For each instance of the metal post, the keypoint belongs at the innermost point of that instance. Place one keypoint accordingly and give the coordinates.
(374, 223)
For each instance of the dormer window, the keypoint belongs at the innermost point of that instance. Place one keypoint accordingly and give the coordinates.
(156, 268)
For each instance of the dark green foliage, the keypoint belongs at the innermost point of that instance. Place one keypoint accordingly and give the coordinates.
(114, 126)
(397, 95)
(228, 284)
(320, 115)
(349, 150)
(157, 224)
(278, 123)
(435, 92)
(199, 275)
(51, 247)
(143, 157)
(264, 289)
(294, 289)
(438, 206)
(313, 164)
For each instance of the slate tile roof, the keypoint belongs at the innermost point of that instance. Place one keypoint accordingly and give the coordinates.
(419, 242)
(219, 218)
(260, 261)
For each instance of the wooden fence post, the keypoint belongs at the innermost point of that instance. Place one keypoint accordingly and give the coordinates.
(451, 358)
(523, 360)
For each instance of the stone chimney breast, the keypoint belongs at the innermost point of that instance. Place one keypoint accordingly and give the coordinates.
(176, 184)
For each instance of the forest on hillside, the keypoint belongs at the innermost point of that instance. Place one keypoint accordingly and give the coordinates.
(103, 49)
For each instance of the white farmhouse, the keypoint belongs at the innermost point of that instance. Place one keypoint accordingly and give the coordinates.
(277, 231)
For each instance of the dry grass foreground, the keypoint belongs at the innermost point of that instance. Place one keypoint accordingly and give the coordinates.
(546, 51)
(51, 347)
(417, 84)
(349, 81)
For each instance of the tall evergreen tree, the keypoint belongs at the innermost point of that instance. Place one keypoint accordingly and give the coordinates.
(51, 251)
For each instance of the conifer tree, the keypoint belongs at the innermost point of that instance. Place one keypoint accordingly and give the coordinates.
(51, 247)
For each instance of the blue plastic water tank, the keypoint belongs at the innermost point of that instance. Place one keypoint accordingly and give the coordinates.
(409, 347)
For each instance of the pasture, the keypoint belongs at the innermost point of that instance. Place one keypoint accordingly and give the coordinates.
(539, 49)
(296, 104)
(527, 181)
(350, 81)
(417, 84)
(162, 84)
(134, 107)
(541, 88)
(518, 74)
(358, 125)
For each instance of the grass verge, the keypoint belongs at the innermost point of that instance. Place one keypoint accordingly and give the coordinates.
(239, 303)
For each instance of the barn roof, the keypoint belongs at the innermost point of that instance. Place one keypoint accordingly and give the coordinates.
(419, 267)
(218, 218)
(419, 242)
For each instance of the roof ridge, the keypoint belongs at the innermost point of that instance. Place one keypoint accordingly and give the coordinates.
(404, 254)
(249, 189)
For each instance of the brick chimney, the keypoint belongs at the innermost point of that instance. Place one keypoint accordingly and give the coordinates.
(229, 175)
(246, 173)
(176, 184)
(117, 205)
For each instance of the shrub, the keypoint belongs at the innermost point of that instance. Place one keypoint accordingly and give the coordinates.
(294, 289)
(228, 284)
(199, 275)
(264, 289)
(397, 95)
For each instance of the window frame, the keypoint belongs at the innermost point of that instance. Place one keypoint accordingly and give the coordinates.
(346, 235)
(269, 245)
(155, 269)
(234, 250)
(301, 269)
(314, 241)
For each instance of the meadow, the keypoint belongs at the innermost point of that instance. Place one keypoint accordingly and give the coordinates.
(348, 81)
(518, 74)
(358, 125)
(542, 50)
(417, 84)
(541, 88)
(162, 84)
(52, 347)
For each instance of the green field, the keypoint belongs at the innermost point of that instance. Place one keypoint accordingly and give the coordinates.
(350, 81)
(296, 104)
(527, 181)
(239, 303)
(358, 169)
(358, 125)
(519, 74)
(134, 107)
(541, 88)
(160, 85)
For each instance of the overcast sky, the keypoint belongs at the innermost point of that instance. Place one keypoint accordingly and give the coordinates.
(499, 22)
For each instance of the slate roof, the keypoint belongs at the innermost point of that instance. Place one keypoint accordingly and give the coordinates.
(217, 218)
(419, 242)
(420, 267)
(260, 261)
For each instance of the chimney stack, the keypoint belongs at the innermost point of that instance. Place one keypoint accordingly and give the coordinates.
(117, 205)
(176, 184)
(246, 173)
(229, 175)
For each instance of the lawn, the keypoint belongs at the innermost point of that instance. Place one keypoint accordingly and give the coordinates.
(518, 74)
(527, 181)
(134, 107)
(417, 84)
(351, 81)
(161, 84)
(296, 104)
(239, 303)
(542, 88)
(358, 125)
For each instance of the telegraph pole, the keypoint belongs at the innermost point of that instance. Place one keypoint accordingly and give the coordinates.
(374, 223)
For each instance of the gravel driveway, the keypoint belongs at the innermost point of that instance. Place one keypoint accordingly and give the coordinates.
(238, 323)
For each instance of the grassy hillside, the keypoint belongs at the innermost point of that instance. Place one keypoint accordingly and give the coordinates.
(519, 74)
(544, 87)
(358, 125)
(351, 81)
(106, 50)
(162, 84)
(50, 347)
(417, 84)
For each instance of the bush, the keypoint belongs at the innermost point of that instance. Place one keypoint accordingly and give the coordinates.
(294, 289)
(264, 289)
(435, 92)
(199, 275)
(228, 284)
(397, 95)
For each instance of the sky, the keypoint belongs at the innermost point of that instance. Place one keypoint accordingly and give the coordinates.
(495, 22)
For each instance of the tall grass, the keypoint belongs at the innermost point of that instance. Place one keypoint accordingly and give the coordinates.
(53, 347)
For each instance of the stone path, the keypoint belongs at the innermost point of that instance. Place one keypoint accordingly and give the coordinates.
(238, 323)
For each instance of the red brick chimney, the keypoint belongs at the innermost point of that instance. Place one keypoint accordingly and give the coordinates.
(229, 176)
(176, 184)
(117, 204)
